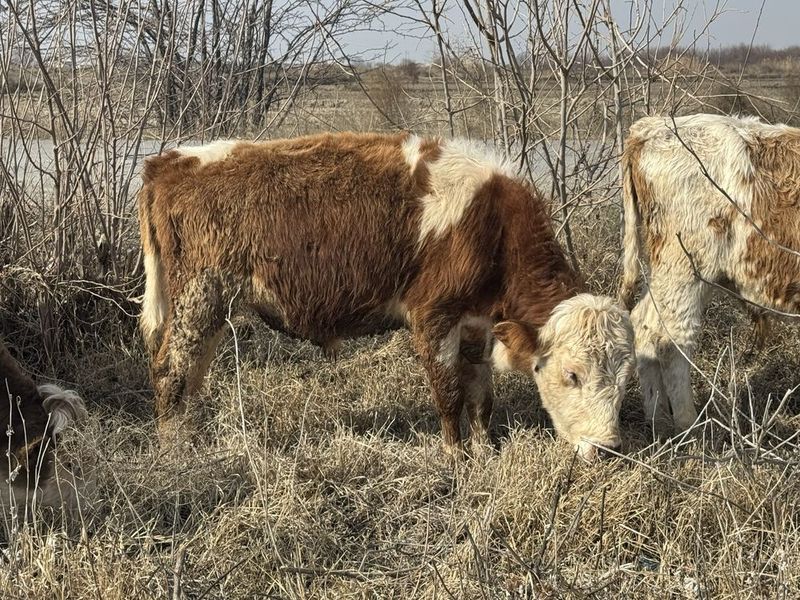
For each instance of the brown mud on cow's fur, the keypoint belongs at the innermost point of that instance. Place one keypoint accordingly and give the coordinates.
(636, 187)
(340, 235)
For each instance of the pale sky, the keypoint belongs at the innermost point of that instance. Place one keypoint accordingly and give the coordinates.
(778, 25)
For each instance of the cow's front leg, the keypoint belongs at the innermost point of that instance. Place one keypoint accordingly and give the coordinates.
(654, 393)
(437, 340)
(667, 321)
(476, 380)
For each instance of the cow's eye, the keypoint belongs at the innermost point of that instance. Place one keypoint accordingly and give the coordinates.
(571, 378)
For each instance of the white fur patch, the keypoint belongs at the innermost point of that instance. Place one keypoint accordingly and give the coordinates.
(154, 303)
(462, 168)
(596, 326)
(501, 357)
(411, 151)
(395, 309)
(209, 153)
(64, 406)
(571, 318)
(450, 346)
(717, 142)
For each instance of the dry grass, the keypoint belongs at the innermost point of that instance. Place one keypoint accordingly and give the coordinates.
(326, 479)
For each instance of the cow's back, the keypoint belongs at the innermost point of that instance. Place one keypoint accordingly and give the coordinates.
(321, 231)
(725, 191)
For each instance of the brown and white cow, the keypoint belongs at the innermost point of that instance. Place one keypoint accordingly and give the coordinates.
(33, 417)
(716, 200)
(338, 235)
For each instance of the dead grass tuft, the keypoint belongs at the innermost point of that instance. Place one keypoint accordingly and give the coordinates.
(320, 479)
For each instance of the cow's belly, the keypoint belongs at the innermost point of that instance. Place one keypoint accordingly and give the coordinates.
(323, 320)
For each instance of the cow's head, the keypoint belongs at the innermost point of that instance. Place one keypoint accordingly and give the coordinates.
(34, 478)
(581, 359)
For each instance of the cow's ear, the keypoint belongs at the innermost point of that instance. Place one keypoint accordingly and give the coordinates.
(520, 341)
(516, 335)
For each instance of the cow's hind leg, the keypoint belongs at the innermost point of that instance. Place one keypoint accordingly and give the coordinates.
(192, 333)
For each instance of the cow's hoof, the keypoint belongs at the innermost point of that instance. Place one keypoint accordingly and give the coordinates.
(173, 435)
(455, 452)
(662, 430)
(480, 446)
(685, 425)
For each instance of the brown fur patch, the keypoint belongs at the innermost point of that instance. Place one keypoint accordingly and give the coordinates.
(474, 344)
(521, 341)
(651, 227)
(155, 166)
(536, 274)
(720, 225)
(776, 209)
(430, 149)
(761, 329)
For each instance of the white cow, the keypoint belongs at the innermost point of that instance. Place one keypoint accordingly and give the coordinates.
(715, 200)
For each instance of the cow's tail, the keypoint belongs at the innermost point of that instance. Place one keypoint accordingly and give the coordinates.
(630, 237)
(155, 301)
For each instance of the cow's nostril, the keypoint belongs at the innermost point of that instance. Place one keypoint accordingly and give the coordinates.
(607, 452)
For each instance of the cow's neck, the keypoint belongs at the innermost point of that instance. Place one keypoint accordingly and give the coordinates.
(537, 274)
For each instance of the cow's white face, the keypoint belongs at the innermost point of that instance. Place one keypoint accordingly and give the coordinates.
(581, 360)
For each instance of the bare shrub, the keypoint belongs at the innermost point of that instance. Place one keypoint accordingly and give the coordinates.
(385, 87)
(101, 80)
(791, 93)
(411, 70)
(730, 99)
